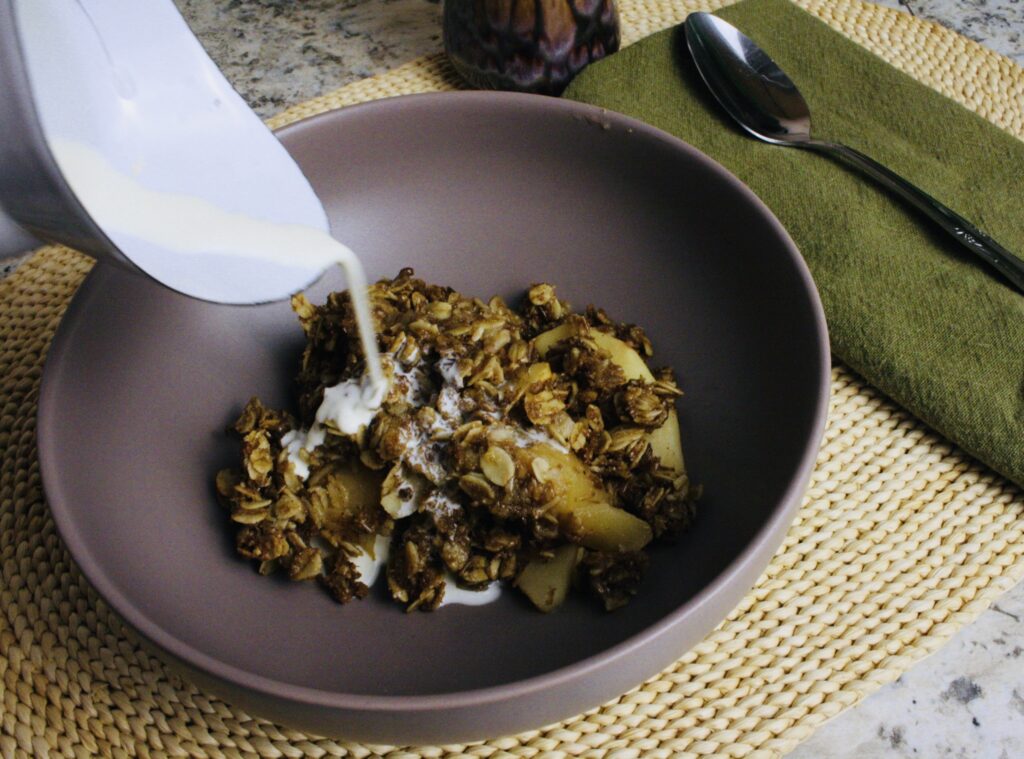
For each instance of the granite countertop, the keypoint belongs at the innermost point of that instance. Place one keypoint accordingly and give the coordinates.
(277, 53)
(966, 700)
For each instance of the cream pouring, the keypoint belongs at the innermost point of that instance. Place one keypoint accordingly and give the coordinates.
(191, 225)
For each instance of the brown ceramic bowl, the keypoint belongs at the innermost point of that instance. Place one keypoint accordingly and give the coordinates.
(488, 193)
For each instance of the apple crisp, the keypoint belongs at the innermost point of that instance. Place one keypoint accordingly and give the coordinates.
(530, 446)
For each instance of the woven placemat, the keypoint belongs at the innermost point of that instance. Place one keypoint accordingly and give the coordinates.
(902, 539)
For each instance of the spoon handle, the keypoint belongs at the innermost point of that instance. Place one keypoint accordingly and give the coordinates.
(956, 225)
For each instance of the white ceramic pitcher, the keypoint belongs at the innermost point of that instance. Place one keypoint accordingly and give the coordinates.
(127, 81)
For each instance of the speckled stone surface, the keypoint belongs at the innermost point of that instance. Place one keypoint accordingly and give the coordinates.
(998, 24)
(280, 52)
(965, 701)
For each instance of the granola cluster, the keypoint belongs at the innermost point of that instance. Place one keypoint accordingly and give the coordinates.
(506, 435)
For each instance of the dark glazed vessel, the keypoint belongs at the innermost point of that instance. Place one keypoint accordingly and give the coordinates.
(480, 191)
(533, 46)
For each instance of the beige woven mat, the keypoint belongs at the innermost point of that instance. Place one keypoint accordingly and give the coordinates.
(901, 539)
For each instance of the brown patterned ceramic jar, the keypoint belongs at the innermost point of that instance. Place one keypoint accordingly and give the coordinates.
(527, 45)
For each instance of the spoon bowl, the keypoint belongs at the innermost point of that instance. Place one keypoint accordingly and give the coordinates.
(748, 84)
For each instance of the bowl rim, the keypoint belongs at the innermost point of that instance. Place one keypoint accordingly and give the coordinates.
(758, 550)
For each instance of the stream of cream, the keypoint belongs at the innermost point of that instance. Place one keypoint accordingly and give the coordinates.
(191, 225)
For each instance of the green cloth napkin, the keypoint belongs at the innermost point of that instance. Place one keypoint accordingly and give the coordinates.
(910, 310)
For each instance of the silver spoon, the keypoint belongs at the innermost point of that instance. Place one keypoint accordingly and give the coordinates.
(766, 103)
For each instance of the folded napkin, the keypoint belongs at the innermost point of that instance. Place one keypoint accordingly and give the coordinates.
(919, 317)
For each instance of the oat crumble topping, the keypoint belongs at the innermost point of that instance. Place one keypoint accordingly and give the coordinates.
(530, 445)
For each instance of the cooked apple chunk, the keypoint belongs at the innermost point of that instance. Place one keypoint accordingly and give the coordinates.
(585, 510)
(546, 582)
(665, 441)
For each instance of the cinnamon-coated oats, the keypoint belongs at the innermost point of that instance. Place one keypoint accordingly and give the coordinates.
(506, 435)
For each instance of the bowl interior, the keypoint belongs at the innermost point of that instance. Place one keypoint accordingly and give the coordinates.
(487, 194)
